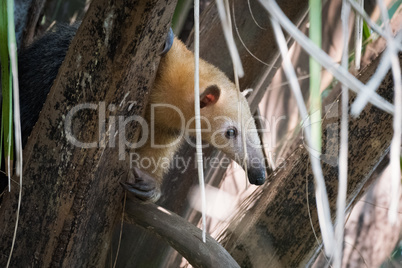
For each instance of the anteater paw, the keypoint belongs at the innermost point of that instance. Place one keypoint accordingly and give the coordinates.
(142, 185)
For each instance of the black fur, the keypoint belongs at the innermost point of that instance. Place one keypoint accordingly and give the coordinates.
(38, 66)
(37, 69)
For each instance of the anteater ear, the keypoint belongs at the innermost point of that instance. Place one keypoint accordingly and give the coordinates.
(210, 96)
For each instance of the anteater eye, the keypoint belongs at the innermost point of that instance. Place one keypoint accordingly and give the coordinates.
(231, 133)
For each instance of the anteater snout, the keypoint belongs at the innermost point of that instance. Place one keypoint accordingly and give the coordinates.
(256, 175)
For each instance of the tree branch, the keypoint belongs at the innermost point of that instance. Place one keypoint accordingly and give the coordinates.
(289, 202)
(180, 234)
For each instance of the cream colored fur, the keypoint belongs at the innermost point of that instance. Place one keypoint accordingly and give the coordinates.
(174, 85)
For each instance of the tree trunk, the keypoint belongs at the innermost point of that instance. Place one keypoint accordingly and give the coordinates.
(279, 227)
(71, 195)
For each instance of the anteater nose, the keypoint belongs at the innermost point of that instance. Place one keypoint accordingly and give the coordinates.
(256, 176)
(260, 181)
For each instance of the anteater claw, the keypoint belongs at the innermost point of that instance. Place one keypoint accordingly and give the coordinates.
(168, 42)
(142, 185)
(140, 194)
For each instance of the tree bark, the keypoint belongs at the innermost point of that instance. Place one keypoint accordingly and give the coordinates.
(71, 195)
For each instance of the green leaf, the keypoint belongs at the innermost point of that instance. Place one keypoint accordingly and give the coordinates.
(315, 34)
(366, 31)
(6, 85)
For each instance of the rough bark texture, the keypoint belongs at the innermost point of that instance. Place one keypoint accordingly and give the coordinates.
(213, 49)
(71, 195)
(277, 230)
(180, 234)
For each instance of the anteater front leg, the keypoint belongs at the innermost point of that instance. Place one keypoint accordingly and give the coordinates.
(142, 185)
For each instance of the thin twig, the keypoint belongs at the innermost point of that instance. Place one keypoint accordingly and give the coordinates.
(343, 151)
(236, 77)
(358, 36)
(326, 61)
(12, 45)
(227, 31)
(200, 164)
(121, 230)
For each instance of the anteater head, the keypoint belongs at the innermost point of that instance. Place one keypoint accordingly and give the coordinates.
(226, 120)
(229, 126)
